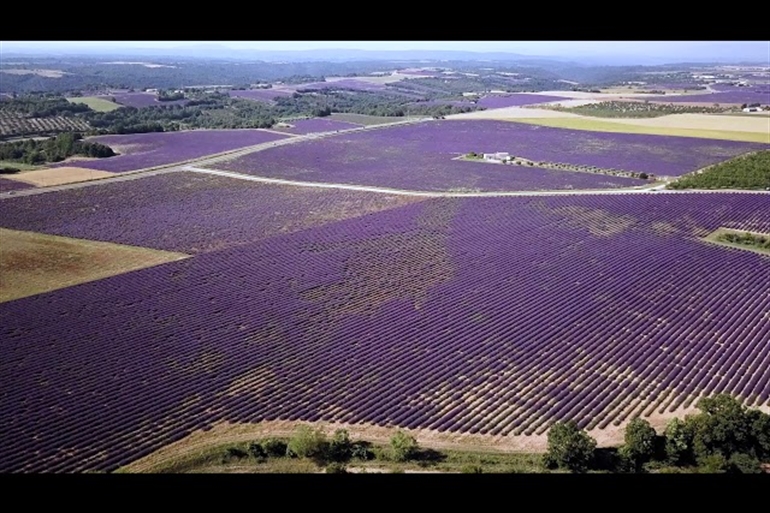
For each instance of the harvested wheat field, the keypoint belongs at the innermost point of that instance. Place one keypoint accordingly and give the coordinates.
(653, 126)
(509, 113)
(759, 125)
(33, 263)
(59, 176)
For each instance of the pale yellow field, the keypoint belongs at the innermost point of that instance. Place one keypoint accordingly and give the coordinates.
(32, 263)
(58, 176)
(760, 125)
(510, 113)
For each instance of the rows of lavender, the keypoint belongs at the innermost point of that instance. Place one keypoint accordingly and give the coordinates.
(419, 156)
(186, 212)
(140, 100)
(738, 95)
(492, 316)
(12, 185)
(314, 125)
(141, 151)
(496, 101)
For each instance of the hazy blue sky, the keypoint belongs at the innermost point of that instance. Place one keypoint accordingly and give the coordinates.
(749, 50)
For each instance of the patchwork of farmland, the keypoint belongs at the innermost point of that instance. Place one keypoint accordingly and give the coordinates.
(141, 151)
(419, 157)
(495, 316)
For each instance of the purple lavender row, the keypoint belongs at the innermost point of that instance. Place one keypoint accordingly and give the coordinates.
(157, 149)
(735, 96)
(140, 100)
(419, 156)
(190, 212)
(394, 317)
(13, 185)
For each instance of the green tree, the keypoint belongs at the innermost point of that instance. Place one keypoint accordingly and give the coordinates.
(403, 446)
(679, 437)
(307, 443)
(740, 463)
(723, 427)
(569, 447)
(639, 445)
(759, 423)
(275, 448)
(340, 446)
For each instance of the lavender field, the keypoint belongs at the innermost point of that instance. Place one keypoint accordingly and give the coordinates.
(497, 101)
(141, 151)
(187, 212)
(314, 125)
(419, 157)
(493, 316)
(12, 185)
(140, 100)
(738, 95)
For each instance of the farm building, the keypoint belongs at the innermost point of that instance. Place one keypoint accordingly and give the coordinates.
(500, 156)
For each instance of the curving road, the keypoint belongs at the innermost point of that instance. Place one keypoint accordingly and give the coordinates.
(213, 159)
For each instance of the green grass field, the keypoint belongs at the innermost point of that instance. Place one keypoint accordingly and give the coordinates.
(97, 104)
(598, 125)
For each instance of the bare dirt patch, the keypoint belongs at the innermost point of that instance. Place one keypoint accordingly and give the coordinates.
(33, 263)
(59, 176)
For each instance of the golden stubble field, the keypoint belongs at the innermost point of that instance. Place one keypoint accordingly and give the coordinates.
(34, 263)
(58, 176)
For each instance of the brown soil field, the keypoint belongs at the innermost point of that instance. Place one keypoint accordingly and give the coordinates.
(33, 263)
(59, 176)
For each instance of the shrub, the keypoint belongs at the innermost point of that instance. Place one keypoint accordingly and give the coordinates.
(639, 445)
(274, 448)
(569, 447)
(307, 443)
(257, 451)
(340, 447)
(336, 468)
(361, 451)
(403, 446)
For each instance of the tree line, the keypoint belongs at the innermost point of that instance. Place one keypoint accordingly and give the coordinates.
(724, 437)
(54, 149)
